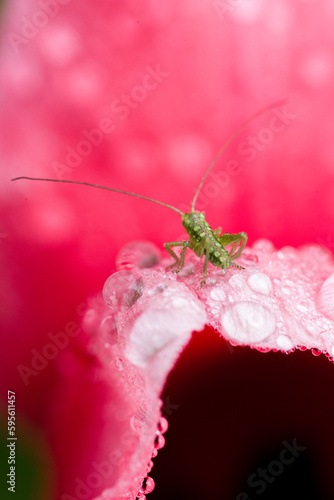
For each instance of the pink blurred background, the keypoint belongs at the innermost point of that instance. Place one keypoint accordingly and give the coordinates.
(162, 86)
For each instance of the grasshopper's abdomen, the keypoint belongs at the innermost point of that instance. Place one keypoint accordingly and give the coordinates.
(203, 240)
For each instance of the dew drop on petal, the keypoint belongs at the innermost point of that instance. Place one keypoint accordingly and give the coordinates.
(122, 289)
(148, 485)
(137, 255)
(315, 351)
(159, 441)
(284, 343)
(119, 363)
(108, 329)
(237, 281)
(301, 308)
(263, 349)
(247, 322)
(263, 246)
(325, 298)
(139, 419)
(252, 257)
(149, 466)
(218, 294)
(260, 283)
(162, 425)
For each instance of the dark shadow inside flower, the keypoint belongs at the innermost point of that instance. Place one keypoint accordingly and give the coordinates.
(245, 425)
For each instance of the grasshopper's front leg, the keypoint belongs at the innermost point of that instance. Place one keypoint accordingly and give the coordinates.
(206, 260)
(179, 262)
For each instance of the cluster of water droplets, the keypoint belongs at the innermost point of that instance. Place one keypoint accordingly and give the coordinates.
(159, 442)
(138, 330)
(283, 300)
(150, 299)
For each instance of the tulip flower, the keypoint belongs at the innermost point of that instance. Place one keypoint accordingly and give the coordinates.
(103, 344)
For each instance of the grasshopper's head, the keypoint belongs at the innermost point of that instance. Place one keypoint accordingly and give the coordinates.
(185, 218)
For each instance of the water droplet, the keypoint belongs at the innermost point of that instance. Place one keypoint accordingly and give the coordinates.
(315, 352)
(301, 308)
(247, 322)
(252, 257)
(140, 418)
(286, 290)
(137, 255)
(316, 253)
(237, 281)
(287, 253)
(260, 283)
(122, 289)
(212, 280)
(179, 302)
(284, 343)
(160, 288)
(147, 486)
(159, 441)
(187, 270)
(108, 329)
(119, 363)
(162, 425)
(263, 349)
(149, 466)
(325, 298)
(218, 294)
(264, 246)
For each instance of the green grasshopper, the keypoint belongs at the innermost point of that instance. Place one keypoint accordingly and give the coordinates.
(203, 240)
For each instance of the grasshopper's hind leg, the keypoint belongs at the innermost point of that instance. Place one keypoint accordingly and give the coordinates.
(178, 261)
(234, 240)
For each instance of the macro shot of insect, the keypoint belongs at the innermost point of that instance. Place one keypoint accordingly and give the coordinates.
(203, 240)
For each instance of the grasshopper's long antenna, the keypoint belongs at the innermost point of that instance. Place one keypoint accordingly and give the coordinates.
(101, 187)
(228, 142)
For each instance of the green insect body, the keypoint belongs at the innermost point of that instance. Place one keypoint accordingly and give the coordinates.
(208, 243)
(203, 240)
